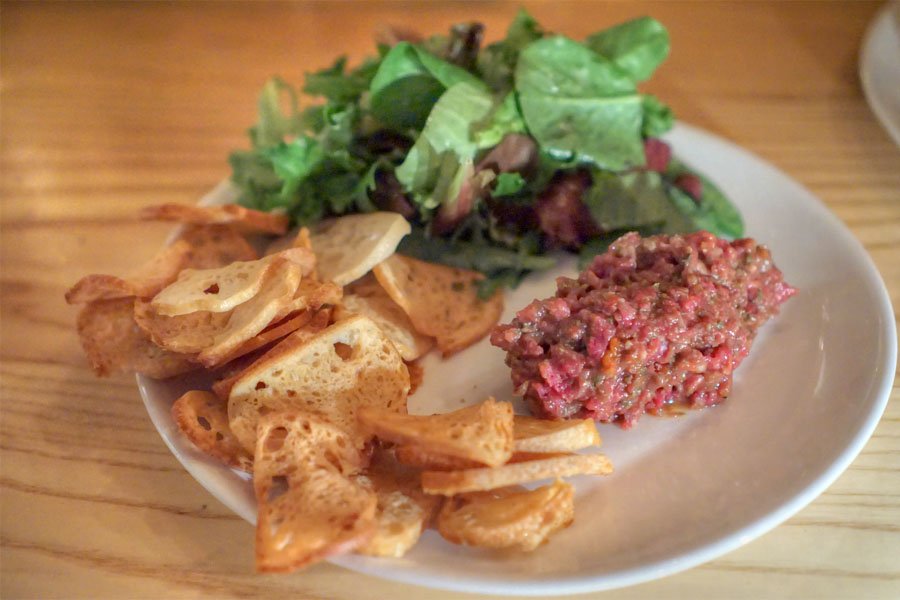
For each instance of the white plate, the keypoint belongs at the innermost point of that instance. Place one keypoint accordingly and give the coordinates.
(685, 490)
(879, 68)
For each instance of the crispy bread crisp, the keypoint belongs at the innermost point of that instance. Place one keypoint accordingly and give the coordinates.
(246, 220)
(367, 297)
(507, 518)
(203, 418)
(531, 434)
(345, 367)
(113, 342)
(221, 289)
(348, 247)
(442, 302)
(448, 483)
(482, 432)
(403, 511)
(309, 507)
(215, 335)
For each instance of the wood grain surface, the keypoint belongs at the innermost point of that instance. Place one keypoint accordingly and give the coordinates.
(110, 107)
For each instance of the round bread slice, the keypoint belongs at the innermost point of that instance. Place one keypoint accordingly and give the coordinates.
(441, 301)
(347, 248)
(346, 366)
(507, 518)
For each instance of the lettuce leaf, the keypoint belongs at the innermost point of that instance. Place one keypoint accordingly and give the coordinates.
(409, 82)
(433, 169)
(580, 106)
(637, 46)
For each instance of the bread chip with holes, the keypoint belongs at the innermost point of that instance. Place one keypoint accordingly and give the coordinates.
(214, 336)
(309, 508)
(203, 418)
(243, 219)
(403, 510)
(114, 342)
(367, 297)
(144, 282)
(345, 367)
(482, 432)
(531, 434)
(245, 356)
(221, 289)
(507, 518)
(442, 302)
(215, 246)
(448, 483)
(348, 247)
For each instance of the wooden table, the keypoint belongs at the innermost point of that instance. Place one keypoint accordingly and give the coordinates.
(110, 107)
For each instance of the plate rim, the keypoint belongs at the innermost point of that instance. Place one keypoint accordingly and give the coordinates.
(881, 28)
(664, 567)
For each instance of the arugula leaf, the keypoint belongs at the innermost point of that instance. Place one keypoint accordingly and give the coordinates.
(578, 105)
(637, 46)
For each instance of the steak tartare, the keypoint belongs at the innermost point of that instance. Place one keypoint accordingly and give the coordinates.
(654, 321)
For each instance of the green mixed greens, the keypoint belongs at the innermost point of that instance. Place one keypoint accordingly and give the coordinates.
(495, 154)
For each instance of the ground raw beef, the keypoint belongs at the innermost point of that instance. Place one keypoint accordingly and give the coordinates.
(652, 322)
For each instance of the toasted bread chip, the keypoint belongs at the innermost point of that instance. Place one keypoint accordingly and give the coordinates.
(531, 434)
(235, 367)
(482, 432)
(230, 372)
(309, 507)
(441, 301)
(219, 290)
(145, 282)
(348, 365)
(448, 483)
(348, 247)
(312, 294)
(270, 334)
(250, 318)
(215, 335)
(403, 511)
(417, 456)
(507, 518)
(367, 297)
(203, 418)
(214, 246)
(186, 334)
(246, 220)
(113, 342)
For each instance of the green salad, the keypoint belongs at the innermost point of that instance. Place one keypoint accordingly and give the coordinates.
(496, 154)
